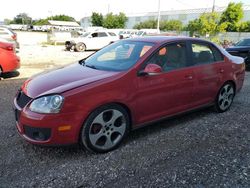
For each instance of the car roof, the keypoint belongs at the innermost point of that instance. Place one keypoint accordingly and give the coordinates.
(163, 39)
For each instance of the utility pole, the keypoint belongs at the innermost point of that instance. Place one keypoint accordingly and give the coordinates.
(159, 16)
(213, 6)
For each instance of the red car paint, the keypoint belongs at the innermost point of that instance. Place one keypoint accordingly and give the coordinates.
(147, 98)
(9, 61)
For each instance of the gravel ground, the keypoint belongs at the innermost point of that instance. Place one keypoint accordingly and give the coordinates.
(36, 56)
(200, 149)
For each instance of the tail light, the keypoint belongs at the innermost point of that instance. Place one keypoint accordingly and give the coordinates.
(7, 46)
(14, 36)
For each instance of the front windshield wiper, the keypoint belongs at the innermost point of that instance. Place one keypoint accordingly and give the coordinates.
(91, 66)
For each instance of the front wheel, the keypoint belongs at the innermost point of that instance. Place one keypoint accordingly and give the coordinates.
(105, 128)
(225, 97)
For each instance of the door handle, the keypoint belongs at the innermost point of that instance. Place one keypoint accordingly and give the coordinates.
(189, 77)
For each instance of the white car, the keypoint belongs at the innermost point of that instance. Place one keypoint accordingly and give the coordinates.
(91, 41)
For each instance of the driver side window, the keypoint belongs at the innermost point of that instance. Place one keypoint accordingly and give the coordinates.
(170, 57)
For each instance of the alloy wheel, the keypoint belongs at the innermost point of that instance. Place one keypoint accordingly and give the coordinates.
(225, 97)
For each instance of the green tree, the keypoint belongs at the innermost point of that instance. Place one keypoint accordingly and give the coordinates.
(96, 19)
(244, 26)
(232, 16)
(114, 21)
(207, 24)
(61, 17)
(148, 24)
(193, 26)
(171, 25)
(22, 18)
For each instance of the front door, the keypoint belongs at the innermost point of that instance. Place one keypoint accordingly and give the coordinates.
(169, 92)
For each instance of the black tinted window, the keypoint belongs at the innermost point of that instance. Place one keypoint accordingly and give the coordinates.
(202, 54)
(170, 57)
(102, 34)
(217, 54)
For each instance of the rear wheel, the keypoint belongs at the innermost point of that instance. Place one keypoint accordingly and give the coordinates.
(80, 47)
(68, 46)
(105, 128)
(225, 97)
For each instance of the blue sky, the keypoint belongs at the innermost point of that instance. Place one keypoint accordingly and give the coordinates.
(80, 8)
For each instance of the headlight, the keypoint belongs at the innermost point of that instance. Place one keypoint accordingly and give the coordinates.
(47, 104)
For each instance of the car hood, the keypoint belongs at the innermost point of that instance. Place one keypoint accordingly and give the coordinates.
(63, 79)
(238, 48)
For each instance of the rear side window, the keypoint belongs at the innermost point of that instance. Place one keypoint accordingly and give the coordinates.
(102, 34)
(217, 54)
(205, 54)
(202, 54)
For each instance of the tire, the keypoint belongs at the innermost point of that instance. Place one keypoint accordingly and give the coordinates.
(68, 46)
(105, 128)
(225, 97)
(80, 47)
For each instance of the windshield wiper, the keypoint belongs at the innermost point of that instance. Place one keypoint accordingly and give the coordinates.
(91, 66)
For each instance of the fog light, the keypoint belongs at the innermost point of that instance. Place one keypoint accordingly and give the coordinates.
(64, 128)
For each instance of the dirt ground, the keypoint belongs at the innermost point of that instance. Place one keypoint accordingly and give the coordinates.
(37, 56)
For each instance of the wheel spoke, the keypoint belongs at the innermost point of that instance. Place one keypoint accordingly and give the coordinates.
(221, 97)
(115, 115)
(99, 119)
(223, 105)
(108, 143)
(231, 91)
(121, 129)
(95, 137)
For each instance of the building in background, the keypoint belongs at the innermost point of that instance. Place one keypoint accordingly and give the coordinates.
(183, 15)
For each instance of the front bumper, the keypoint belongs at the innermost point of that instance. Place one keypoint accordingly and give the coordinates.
(46, 129)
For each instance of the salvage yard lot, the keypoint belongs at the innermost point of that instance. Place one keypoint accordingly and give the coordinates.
(199, 149)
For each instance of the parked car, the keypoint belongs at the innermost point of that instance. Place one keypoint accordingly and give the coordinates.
(91, 41)
(124, 86)
(9, 35)
(242, 49)
(9, 61)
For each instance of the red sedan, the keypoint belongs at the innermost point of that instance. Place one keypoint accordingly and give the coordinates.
(9, 61)
(124, 86)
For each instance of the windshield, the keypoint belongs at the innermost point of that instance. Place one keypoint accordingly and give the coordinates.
(119, 56)
(244, 42)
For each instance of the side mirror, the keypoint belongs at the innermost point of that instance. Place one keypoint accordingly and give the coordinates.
(151, 70)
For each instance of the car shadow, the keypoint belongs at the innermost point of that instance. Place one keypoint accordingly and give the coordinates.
(168, 123)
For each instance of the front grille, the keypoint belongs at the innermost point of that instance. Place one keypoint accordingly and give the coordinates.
(22, 99)
(39, 134)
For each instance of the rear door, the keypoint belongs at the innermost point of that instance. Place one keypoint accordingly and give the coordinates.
(209, 67)
(169, 92)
